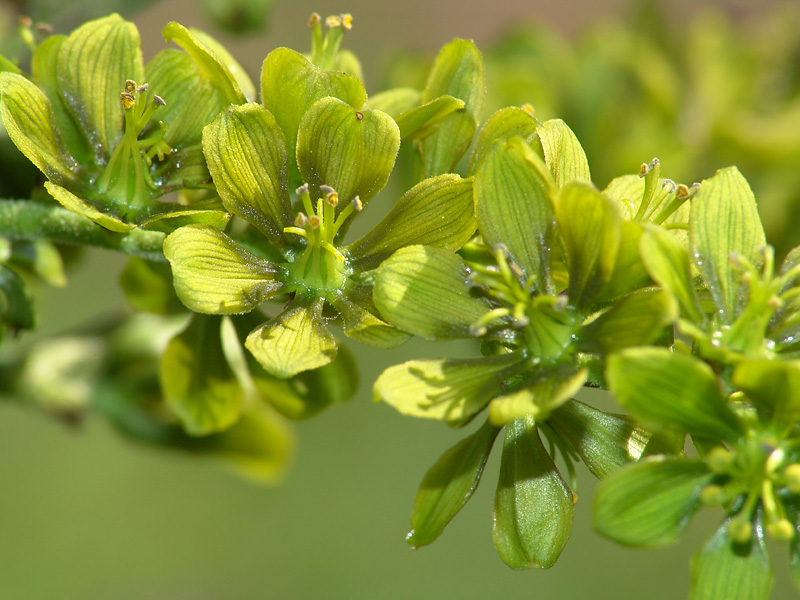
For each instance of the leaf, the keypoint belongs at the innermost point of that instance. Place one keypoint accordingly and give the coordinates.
(458, 72)
(93, 64)
(247, 158)
(350, 150)
(605, 442)
(206, 60)
(634, 320)
(421, 121)
(296, 340)
(514, 207)
(425, 291)
(667, 390)
(533, 506)
(451, 390)
(547, 392)
(668, 264)
(650, 504)
(723, 568)
(215, 275)
(361, 325)
(503, 125)
(290, 85)
(196, 380)
(589, 224)
(449, 484)
(724, 220)
(436, 212)
(31, 124)
(774, 389)
(16, 302)
(563, 153)
(81, 207)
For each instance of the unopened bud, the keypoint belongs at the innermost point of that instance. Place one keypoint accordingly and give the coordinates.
(719, 459)
(712, 494)
(782, 530)
(792, 474)
(740, 530)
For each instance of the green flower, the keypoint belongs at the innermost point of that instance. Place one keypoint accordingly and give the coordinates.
(111, 134)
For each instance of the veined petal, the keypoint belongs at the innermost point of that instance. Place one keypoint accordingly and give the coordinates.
(246, 156)
(563, 153)
(215, 275)
(227, 60)
(296, 340)
(420, 121)
(425, 291)
(80, 206)
(395, 102)
(94, 63)
(502, 125)
(436, 212)
(362, 326)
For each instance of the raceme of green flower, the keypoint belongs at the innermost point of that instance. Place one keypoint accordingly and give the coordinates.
(111, 134)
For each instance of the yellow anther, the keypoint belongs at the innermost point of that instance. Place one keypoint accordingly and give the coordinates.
(303, 189)
(45, 28)
(682, 191)
(127, 100)
(332, 199)
(314, 221)
(528, 108)
(314, 19)
(357, 204)
(130, 86)
(301, 219)
(347, 21)
(333, 21)
(782, 530)
(159, 100)
(644, 169)
(740, 530)
(25, 21)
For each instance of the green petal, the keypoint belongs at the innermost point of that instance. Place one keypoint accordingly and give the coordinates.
(589, 224)
(458, 72)
(449, 484)
(224, 57)
(196, 380)
(31, 124)
(605, 442)
(421, 121)
(16, 302)
(724, 220)
(361, 325)
(649, 504)
(503, 125)
(207, 61)
(533, 506)
(350, 150)
(169, 222)
(637, 319)
(147, 286)
(425, 291)
(668, 264)
(215, 275)
(549, 391)
(79, 206)
(246, 155)
(435, 212)
(514, 207)
(453, 391)
(296, 340)
(667, 390)
(395, 102)
(723, 568)
(629, 271)
(290, 85)
(563, 153)
(774, 389)
(93, 65)
(41, 258)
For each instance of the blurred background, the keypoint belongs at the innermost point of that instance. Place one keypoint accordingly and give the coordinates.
(88, 515)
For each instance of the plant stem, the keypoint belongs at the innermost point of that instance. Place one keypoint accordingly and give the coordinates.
(27, 220)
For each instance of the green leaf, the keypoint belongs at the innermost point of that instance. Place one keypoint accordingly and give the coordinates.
(206, 60)
(724, 220)
(546, 393)
(246, 155)
(668, 264)
(667, 390)
(604, 441)
(634, 320)
(774, 389)
(93, 64)
(723, 568)
(449, 484)
(350, 150)
(503, 125)
(589, 224)
(16, 301)
(458, 72)
(290, 85)
(425, 291)
(296, 340)
(563, 153)
(215, 275)
(533, 506)
(31, 124)
(649, 504)
(81, 207)
(147, 286)
(394, 102)
(436, 212)
(222, 55)
(421, 121)
(361, 325)
(453, 391)
(196, 380)
(514, 207)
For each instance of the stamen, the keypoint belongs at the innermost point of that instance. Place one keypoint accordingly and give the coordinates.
(314, 19)
(130, 86)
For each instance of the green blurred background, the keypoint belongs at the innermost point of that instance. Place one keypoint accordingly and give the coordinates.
(88, 515)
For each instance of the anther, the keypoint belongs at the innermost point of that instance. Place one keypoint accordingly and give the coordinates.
(357, 204)
(668, 183)
(332, 199)
(143, 88)
(782, 530)
(314, 19)
(682, 191)
(359, 115)
(159, 100)
(127, 100)
(314, 221)
(303, 189)
(333, 21)
(45, 28)
(644, 169)
(347, 21)
(130, 86)
(326, 189)
(528, 108)
(301, 219)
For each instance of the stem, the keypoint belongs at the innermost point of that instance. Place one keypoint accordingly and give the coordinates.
(27, 220)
